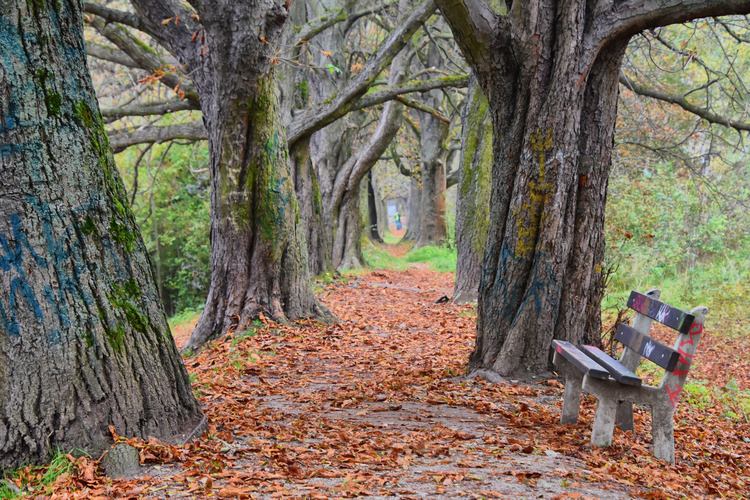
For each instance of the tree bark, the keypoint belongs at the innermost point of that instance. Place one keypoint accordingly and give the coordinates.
(550, 71)
(434, 132)
(373, 228)
(84, 343)
(258, 252)
(473, 194)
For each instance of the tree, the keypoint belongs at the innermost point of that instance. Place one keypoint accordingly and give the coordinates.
(550, 72)
(186, 36)
(473, 198)
(84, 340)
(258, 250)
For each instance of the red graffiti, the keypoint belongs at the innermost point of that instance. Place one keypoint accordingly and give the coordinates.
(695, 330)
(639, 304)
(674, 395)
(680, 373)
(559, 349)
(684, 357)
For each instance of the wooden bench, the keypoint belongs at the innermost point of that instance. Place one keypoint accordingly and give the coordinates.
(614, 383)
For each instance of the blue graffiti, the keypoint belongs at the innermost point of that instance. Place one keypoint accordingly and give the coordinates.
(65, 262)
(11, 257)
(540, 282)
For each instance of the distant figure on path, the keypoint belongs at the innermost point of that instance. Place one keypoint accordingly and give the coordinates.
(397, 218)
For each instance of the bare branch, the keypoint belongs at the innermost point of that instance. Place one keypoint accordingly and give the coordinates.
(386, 94)
(110, 54)
(633, 16)
(124, 138)
(422, 107)
(327, 112)
(149, 109)
(116, 16)
(144, 56)
(681, 101)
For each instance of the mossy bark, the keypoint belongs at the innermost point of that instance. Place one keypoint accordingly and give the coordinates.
(259, 262)
(473, 194)
(552, 90)
(433, 154)
(84, 343)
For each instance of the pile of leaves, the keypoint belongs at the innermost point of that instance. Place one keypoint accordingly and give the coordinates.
(377, 404)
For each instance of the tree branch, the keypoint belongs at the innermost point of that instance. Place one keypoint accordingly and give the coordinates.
(681, 101)
(380, 96)
(124, 138)
(628, 17)
(110, 54)
(420, 106)
(149, 109)
(316, 26)
(473, 23)
(116, 16)
(323, 114)
(143, 55)
(175, 34)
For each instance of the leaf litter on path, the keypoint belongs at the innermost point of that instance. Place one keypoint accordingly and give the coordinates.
(376, 406)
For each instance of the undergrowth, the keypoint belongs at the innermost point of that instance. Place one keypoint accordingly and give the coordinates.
(38, 480)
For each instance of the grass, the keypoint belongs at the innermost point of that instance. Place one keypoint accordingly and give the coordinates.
(184, 317)
(442, 260)
(37, 480)
(378, 258)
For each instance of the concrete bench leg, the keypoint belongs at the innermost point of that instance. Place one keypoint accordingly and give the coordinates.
(624, 418)
(604, 423)
(571, 398)
(662, 430)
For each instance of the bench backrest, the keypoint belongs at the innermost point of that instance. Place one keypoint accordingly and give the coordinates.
(676, 361)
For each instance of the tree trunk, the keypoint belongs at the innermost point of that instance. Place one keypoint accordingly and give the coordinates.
(553, 145)
(258, 251)
(413, 218)
(473, 194)
(552, 93)
(373, 231)
(434, 132)
(84, 343)
(317, 230)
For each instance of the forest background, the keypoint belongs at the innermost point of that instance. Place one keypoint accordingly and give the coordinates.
(677, 211)
(379, 112)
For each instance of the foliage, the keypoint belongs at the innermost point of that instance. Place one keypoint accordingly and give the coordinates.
(169, 189)
(669, 229)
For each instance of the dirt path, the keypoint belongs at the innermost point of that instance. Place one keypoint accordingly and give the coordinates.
(375, 407)
(372, 407)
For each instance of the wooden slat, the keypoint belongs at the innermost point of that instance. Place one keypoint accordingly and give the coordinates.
(647, 347)
(579, 359)
(661, 312)
(618, 371)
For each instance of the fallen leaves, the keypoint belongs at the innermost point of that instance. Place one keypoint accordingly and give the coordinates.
(372, 406)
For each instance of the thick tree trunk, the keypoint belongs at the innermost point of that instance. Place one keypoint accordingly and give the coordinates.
(258, 251)
(553, 141)
(473, 194)
(549, 70)
(84, 343)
